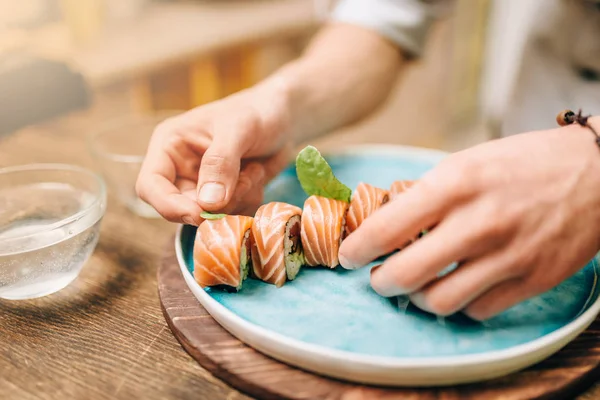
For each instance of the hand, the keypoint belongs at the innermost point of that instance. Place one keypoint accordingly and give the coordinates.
(216, 157)
(519, 214)
(229, 149)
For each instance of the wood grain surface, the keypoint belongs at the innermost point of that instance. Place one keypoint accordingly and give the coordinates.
(105, 337)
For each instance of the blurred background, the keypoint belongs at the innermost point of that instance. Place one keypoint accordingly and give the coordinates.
(77, 77)
(106, 58)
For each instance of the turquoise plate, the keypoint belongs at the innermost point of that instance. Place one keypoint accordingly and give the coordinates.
(333, 323)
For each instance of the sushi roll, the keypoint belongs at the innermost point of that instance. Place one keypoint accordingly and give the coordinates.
(399, 187)
(323, 221)
(365, 200)
(277, 249)
(222, 251)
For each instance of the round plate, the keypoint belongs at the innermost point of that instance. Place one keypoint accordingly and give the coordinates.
(331, 322)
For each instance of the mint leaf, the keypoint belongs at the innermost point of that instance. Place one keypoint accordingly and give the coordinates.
(317, 178)
(207, 215)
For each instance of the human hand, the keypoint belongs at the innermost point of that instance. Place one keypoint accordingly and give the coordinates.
(216, 157)
(519, 214)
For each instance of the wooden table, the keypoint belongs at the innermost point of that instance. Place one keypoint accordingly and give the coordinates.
(104, 337)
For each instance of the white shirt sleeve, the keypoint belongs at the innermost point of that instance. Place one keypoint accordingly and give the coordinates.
(404, 22)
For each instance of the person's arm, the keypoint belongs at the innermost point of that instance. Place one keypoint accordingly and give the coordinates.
(350, 67)
(218, 157)
(345, 74)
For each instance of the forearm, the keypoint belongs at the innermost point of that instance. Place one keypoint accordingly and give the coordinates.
(343, 76)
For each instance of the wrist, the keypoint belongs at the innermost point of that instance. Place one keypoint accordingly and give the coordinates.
(291, 100)
(271, 99)
(580, 146)
(290, 84)
(579, 153)
(594, 122)
(585, 133)
(312, 100)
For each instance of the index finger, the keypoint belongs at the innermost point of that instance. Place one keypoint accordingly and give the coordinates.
(168, 200)
(156, 185)
(392, 226)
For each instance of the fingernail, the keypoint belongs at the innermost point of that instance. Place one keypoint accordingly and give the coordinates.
(212, 193)
(347, 264)
(188, 220)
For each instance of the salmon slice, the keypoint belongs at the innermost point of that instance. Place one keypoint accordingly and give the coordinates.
(365, 200)
(277, 249)
(323, 221)
(399, 187)
(222, 251)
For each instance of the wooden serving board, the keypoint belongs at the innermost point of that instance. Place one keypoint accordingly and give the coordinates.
(562, 376)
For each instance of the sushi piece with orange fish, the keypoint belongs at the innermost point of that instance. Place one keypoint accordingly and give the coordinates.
(400, 187)
(323, 221)
(222, 251)
(365, 200)
(277, 249)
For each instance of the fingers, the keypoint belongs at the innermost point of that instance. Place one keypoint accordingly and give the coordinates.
(392, 226)
(187, 188)
(221, 163)
(251, 203)
(249, 191)
(155, 185)
(168, 201)
(276, 163)
(219, 172)
(251, 177)
(456, 290)
(421, 262)
(248, 188)
(500, 298)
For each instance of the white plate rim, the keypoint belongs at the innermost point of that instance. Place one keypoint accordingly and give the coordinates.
(225, 316)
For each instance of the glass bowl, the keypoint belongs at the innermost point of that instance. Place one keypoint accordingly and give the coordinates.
(50, 218)
(119, 148)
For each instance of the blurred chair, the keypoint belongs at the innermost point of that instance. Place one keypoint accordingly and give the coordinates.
(33, 90)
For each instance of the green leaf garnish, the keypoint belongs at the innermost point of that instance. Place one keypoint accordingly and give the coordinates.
(317, 178)
(207, 215)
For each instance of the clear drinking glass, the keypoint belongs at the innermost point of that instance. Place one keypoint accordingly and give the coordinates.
(49, 226)
(119, 148)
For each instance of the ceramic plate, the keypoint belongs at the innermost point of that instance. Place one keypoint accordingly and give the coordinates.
(331, 321)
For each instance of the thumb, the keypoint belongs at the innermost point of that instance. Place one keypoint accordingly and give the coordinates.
(219, 172)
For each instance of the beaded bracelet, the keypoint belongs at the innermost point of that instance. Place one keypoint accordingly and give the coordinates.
(568, 117)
